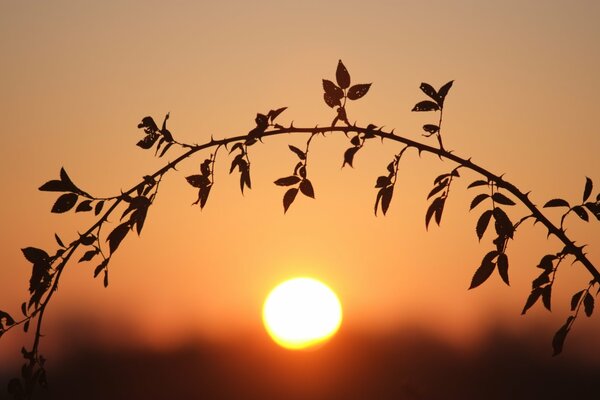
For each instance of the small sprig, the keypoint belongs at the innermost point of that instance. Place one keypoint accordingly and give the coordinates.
(336, 95)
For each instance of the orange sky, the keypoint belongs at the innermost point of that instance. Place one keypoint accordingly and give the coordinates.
(76, 78)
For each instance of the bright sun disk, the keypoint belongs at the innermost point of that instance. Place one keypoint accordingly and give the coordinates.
(301, 312)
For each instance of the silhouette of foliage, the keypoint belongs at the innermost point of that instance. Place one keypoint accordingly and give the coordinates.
(497, 196)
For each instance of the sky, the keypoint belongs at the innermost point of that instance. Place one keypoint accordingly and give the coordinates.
(77, 77)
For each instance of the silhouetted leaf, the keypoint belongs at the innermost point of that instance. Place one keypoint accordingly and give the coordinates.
(443, 92)
(105, 278)
(54, 186)
(164, 150)
(386, 198)
(434, 208)
(431, 128)
(197, 181)
(559, 337)
(382, 181)
(64, 203)
(148, 141)
(547, 297)
(426, 105)
(89, 255)
(8, 320)
(477, 183)
(332, 90)
(502, 263)
(148, 124)
(288, 198)
(541, 280)
(485, 270)
(546, 262)
(429, 91)
(531, 300)
(84, 206)
(575, 299)
(588, 188)
(306, 188)
(245, 179)
(342, 76)
(35, 255)
(275, 113)
(502, 199)
(58, 240)
(100, 267)
(301, 155)
(588, 304)
(288, 180)
(355, 141)
(436, 190)
(331, 101)
(358, 91)
(503, 224)
(98, 208)
(441, 178)
(117, 235)
(557, 203)
(482, 223)
(581, 213)
(478, 199)
(262, 121)
(349, 156)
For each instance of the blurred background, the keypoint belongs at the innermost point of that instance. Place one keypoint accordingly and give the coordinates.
(182, 311)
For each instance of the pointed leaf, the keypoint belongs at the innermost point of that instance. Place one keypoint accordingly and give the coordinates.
(581, 213)
(197, 181)
(89, 255)
(443, 92)
(485, 270)
(287, 181)
(349, 156)
(557, 203)
(332, 90)
(436, 190)
(429, 91)
(307, 189)
(547, 297)
(301, 155)
(575, 299)
(426, 105)
(435, 205)
(503, 267)
(115, 238)
(502, 199)
(342, 76)
(478, 199)
(98, 208)
(358, 91)
(288, 198)
(331, 101)
(431, 128)
(58, 240)
(386, 198)
(54, 186)
(588, 304)
(503, 224)
(588, 188)
(84, 206)
(275, 113)
(64, 203)
(482, 223)
(559, 337)
(382, 181)
(477, 183)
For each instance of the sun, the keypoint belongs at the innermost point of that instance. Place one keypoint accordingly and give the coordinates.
(301, 313)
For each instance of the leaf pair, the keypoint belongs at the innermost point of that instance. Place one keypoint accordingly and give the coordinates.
(203, 181)
(490, 261)
(436, 103)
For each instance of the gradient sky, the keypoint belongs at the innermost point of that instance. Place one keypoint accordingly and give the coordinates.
(77, 77)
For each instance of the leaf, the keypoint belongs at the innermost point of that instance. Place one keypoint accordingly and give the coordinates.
(502, 199)
(559, 337)
(503, 225)
(382, 181)
(64, 203)
(105, 278)
(197, 181)
(262, 121)
(100, 267)
(89, 255)
(35, 255)
(502, 263)
(307, 188)
(581, 213)
(54, 186)
(431, 128)
(164, 150)
(437, 204)
(6, 316)
(557, 203)
(275, 113)
(588, 188)
(485, 270)
(588, 304)
(288, 180)
(84, 206)
(443, 92)
(342, 76)
(288, 198)
(531, 300)
(148, 141)
(429, 91)
(349, 156)
(203, 196)
(115, 238)
(426, 105)
(478, 199)
(149, 124)
(546, 262)
(332, 90)
(477, 183)
(355, 141)
(547, 297)
(98, 208)
(331, 101)
(58, 240)
(386, 198)
(358, 91)
(301, 155)
(541, 280)
(482, 223)
(575, 299)
(436, 190)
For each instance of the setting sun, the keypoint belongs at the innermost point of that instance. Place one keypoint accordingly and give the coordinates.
(301, 312)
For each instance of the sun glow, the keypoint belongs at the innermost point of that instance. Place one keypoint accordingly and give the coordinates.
(301, 313)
